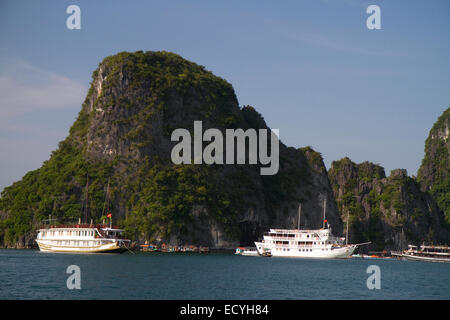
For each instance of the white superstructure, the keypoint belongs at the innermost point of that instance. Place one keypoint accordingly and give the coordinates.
(82, 239)
(304, 244)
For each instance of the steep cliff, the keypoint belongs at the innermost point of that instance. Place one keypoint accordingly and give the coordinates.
(433, 173)
(123, 135)
(389, 211)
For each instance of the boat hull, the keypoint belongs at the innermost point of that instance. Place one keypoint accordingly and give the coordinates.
(421, 258)
(343, 252)
(250, 254)
(113, 247)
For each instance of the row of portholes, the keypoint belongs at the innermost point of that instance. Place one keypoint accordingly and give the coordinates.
(284, 249)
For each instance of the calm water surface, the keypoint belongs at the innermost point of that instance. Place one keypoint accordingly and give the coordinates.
(31, 274)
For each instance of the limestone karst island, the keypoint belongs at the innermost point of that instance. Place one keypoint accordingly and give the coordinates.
(118, 155)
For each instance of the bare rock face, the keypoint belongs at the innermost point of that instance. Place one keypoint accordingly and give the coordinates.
(123, 135)
(391, 212)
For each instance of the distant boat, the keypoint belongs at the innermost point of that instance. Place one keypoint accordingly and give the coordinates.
(241, 251)
(424, 253)
(304, 244)
(266, 253)
(298, 243)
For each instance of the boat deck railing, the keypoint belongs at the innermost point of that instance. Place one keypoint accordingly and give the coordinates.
(429, 253)
(296, 238)
(78, 225)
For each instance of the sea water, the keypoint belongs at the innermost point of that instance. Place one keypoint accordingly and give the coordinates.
(31, 274)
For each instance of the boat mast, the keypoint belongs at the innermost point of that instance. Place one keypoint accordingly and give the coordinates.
(106, 203)
(324, 210)
(299, 212)
(346, 233)
(87, 192)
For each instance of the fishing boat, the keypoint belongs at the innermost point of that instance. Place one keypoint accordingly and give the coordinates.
(424, 253)
(299, 243)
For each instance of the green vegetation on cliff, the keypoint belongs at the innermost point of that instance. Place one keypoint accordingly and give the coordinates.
(433, 173)
(56, 189)
(390, 212)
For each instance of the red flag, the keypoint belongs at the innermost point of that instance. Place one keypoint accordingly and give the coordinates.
(109, 215)
(325, 221)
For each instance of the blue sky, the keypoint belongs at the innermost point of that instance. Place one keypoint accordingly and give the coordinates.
(312, 68)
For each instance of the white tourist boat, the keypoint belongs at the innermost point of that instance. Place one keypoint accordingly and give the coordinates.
(298, 243)
(424, 253)
(304, 244)
(82, 239)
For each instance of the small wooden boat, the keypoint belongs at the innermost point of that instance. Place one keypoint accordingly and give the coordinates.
(242, 251)
(266, 253)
